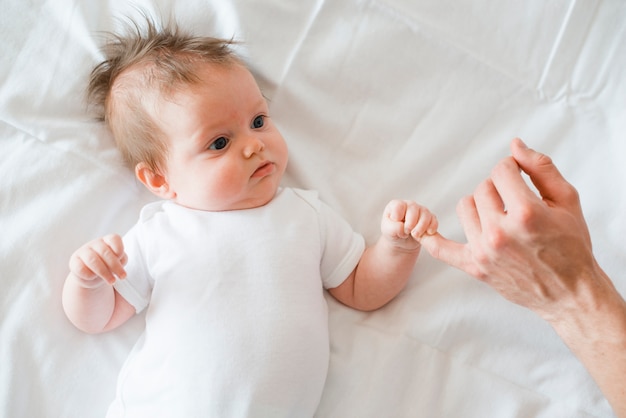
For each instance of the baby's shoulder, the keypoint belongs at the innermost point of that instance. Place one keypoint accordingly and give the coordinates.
(150, 210)
(309, 197)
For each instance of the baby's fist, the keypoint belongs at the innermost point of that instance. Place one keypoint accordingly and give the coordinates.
(102, 258)
(404, 222)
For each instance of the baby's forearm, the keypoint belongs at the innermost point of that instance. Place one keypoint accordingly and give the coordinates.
(381, 274)
(89, 308)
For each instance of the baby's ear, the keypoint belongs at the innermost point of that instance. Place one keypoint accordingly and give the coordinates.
(154, 181)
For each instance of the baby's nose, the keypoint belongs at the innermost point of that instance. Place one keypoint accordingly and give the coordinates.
(253, 146)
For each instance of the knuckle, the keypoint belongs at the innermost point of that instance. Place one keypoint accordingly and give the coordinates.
(411, 204)
(107, 253)
(91, 259)
(480, 275)
(505, 164)
(527, 217)
(481, 257)
(79, 268)
(542, 159)
(525, 214)
(496, 240)
(476, 269)
(114, 240)
(570, 194)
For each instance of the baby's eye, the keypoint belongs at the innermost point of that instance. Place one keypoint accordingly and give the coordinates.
(258, 122)
(219, 143)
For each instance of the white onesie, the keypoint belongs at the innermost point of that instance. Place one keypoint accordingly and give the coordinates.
(236, 321)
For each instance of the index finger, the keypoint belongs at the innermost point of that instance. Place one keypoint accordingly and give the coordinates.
(510, 185)
(116, 244)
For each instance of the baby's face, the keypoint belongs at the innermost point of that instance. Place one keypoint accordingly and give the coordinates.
(224, 151)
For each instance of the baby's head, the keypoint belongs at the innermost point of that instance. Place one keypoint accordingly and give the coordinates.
(189, 117)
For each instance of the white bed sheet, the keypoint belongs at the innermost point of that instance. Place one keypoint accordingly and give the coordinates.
(378, 99)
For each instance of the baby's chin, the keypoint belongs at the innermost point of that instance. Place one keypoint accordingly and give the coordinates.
(216, 206)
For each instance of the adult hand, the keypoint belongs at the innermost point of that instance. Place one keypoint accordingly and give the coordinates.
(530, 248)
(535, 250)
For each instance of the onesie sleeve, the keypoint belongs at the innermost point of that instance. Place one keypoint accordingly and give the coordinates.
(342, 247)
(137, 287)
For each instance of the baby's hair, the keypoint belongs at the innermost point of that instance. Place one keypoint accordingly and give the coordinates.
(140, 65)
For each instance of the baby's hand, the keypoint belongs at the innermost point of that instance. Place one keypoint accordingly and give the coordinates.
(100, 259)
(404, 222)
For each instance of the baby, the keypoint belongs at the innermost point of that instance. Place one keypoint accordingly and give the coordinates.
(230, 266)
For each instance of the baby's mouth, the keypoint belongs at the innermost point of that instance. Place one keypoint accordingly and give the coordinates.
(265, 169)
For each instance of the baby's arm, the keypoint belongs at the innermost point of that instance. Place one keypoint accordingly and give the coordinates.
(89, 299)
(386, 266)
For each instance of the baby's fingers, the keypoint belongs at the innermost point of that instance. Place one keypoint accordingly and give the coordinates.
(117, 262)
(427, 224)
(115, 243)
(97, 259)
(395, 210)
(413, 216)
(392, 224)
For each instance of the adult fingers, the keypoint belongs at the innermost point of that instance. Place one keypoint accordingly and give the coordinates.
(551, 185)
(488, 201)
(470, 220)
(449, 251)
(510, 185)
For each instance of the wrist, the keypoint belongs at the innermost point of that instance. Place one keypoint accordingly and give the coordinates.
(401, 246)
(91, 284)
(595, 316)
(596, 335)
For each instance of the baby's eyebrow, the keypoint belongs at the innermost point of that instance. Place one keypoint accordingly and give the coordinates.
(263, 101)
